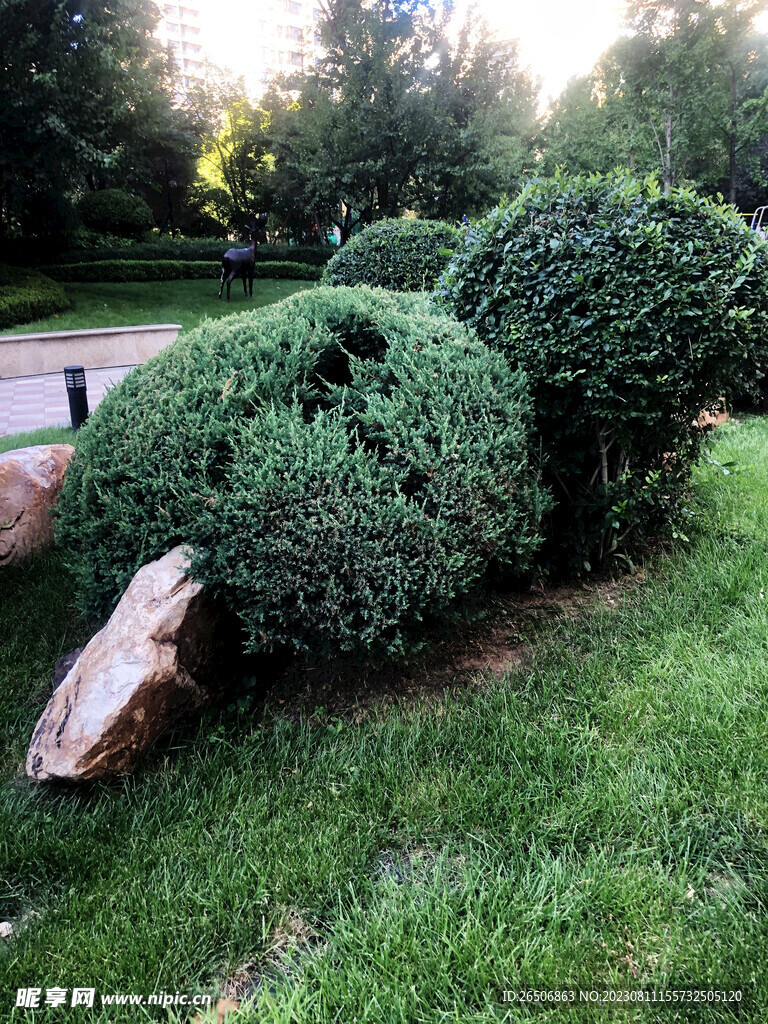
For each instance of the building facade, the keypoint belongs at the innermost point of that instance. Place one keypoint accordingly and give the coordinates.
(284, 39)
(180, 28)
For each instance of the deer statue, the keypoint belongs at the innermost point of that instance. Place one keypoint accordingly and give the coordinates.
(241, 262)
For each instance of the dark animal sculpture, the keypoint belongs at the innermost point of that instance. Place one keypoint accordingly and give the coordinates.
(241, 262)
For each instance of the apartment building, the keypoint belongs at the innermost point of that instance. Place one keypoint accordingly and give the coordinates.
(284, 38)
(180, 28)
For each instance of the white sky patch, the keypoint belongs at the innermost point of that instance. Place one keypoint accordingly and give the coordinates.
(558, 38)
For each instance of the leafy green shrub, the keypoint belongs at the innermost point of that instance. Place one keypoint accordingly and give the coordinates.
(402, 255)
(193, 249)
(171, 270)
(26, 295)
(115, 212)
(630, 311)
(346, 463)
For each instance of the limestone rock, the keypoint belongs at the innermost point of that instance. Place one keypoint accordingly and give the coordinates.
(30, 482)
(149, 664)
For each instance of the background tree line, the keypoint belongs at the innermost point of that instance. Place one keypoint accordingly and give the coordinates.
(400, 114)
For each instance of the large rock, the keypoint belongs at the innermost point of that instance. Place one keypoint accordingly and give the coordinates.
(30, 482)
(153, 661)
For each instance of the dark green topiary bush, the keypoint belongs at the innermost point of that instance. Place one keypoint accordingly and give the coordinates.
(172, 270)
(26, 295)
(402, 255)
(346, 463)
(115, 212)
(630, 311)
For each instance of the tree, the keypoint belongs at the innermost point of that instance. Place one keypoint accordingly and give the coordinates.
(741, 110)
(592, 129)
(235, 153)
(684, 93)
(83, 86)
(484, 111)
(664, 65)
(394, 117)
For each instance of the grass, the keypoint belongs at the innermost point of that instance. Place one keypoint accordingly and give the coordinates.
(596, 820)
(45, 435)
(175, 302)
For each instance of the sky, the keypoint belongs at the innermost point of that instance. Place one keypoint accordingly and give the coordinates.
(558, 38)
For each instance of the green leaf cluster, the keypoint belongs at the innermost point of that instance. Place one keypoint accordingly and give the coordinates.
(631, 311)
(346, 464)
(401, 255)
(26, 295)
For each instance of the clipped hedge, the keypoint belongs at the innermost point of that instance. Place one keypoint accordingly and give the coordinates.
(195, 250)
(26, 295)
(401, 255)
(115, 212)
(346, 464)
(630, 311)
(171, 270)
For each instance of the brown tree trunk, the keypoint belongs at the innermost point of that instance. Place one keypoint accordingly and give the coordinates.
(732, 141)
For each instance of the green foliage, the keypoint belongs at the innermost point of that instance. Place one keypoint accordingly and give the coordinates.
(400, 113)
(173, 270)
(683, 94)
(631, 311)
(26, 295)
(345, 464)
(85, 94)
(401, 255)
(194, 250)
(235, 156)
(115, 212)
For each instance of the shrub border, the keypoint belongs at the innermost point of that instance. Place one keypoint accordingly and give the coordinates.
(172, 270)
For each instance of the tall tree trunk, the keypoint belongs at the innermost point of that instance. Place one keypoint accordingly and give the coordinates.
(732, 140)
(668, 171)
(382, 194)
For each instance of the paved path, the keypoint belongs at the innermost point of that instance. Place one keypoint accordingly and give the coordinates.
(27, 403)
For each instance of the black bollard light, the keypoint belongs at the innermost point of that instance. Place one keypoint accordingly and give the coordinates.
(77, 394)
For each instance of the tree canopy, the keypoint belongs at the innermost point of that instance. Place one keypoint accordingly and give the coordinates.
(85, 95)
(683, 92)
(396, 116)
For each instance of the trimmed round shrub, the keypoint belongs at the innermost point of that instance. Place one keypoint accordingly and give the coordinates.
(401, 255)
(346, 465)
(115, 212)
(631, 311)
(26, 295)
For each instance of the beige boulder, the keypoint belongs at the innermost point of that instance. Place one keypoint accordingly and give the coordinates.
(30, 482)
(147, 666)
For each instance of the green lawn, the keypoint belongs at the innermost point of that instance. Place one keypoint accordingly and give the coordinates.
(597, 820)
(153, 302)
(46, 435)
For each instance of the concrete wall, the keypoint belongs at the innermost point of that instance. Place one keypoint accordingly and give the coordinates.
(23, 355)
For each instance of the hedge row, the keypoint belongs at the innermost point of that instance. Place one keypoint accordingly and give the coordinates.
(27, 295)
(172, 270)
(196, 249)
